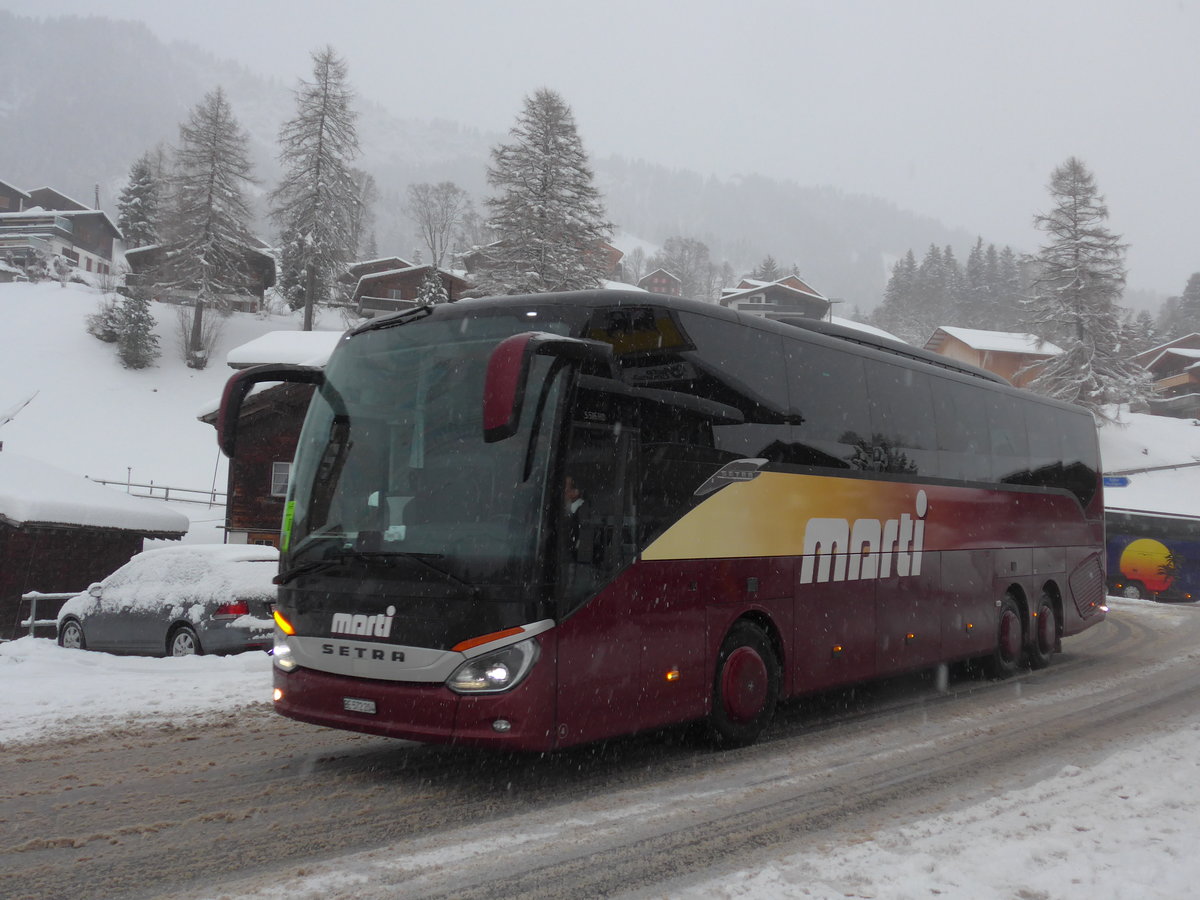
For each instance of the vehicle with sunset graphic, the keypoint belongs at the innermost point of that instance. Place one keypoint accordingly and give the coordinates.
(533, 522)
(1153, 556)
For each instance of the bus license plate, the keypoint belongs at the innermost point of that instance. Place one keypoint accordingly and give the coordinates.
(353, 704)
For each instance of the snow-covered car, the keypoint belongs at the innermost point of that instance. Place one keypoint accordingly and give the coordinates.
(176, 602)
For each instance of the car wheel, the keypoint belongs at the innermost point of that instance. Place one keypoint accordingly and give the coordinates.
(183, 642)
(70, 635)
(1045, 634)
(1005, 659)
(745, 686)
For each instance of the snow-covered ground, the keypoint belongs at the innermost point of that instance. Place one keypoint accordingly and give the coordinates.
(90, 416)
(1121, 828)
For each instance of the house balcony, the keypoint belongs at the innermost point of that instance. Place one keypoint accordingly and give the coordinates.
(382, 306)
(35, 224)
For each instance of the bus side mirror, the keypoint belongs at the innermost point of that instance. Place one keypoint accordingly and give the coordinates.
(239, 385)
(508, 374)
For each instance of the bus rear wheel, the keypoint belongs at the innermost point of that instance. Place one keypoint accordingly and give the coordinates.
(1045, 634)
(745, 687)
(1005, 659)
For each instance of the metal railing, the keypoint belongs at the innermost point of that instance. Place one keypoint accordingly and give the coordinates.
(33, 621)
(165, 492)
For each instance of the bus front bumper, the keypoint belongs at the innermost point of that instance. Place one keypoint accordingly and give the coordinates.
(519, 719)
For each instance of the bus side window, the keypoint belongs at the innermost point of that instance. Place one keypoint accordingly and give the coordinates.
(743, 368)
(829, 414)
(1009, 439)
(903, 436)
(964, 449)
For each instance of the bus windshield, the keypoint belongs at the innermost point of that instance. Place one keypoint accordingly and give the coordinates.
(392, 469)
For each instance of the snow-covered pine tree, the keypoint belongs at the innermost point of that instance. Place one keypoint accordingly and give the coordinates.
(138, 205)
(975, 296)
(439, 211)
(547, 211)
(1080, 278)
(767, 270)
(899, 313)
(315, 200)
(1188, 311)
(362, 219)
(137, 344)
(432, 290)
(208, 224)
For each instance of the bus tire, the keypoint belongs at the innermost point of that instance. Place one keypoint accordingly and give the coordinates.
(1045, 634)
(1006, 656)
(1133, 590)
(745, 686)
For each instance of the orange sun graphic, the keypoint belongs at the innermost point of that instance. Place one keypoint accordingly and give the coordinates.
(1149, 562)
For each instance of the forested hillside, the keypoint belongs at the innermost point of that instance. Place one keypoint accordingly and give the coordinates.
(82, 98)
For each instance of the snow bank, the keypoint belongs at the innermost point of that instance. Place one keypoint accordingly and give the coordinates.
(47, 691)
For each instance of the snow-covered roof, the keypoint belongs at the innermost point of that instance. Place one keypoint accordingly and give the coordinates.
(305, 348)
(1188, 340)
(867, 329)
(34, 492)
(995, 341)
(1184, 353)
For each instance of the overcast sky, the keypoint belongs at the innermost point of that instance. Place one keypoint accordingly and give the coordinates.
(955, 108)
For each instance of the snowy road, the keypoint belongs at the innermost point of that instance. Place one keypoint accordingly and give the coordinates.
(249, 805)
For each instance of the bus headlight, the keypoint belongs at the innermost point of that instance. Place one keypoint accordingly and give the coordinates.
(499, 670)
(281, 653)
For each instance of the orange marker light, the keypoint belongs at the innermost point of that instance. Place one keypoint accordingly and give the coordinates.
(284, 625)
(486, 638)
(278, 695)
(672, 675)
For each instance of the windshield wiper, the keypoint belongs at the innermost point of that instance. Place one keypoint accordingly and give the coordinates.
(385, 557)
(422, 558)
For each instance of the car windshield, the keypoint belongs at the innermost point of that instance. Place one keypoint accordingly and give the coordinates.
(393, 467)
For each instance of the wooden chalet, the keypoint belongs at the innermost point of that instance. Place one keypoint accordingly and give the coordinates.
(145, 262)
(60, 532)
(392, 290)
(12, 198)
(44, 222)
(1011, 356)
(268, 430)
(790, 296)
(1175, 369)
(660, 281)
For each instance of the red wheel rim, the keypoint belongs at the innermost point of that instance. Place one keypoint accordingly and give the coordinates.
(1010, 635)
(744, 684)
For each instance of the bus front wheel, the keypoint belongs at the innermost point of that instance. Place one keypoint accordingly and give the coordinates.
(745, 687)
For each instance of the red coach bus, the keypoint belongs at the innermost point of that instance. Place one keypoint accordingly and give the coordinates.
(531, 522)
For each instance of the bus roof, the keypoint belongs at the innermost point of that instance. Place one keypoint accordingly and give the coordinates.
(780, 325)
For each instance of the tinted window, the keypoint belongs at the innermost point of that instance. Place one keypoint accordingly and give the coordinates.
(964, 447)
(831, 419)
(1009, 438)
(904, 438)
(724, 361)
(743, 368)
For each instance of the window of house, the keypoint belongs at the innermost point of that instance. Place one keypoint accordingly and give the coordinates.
(279, 478)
